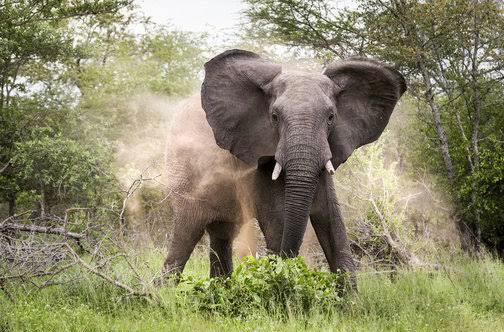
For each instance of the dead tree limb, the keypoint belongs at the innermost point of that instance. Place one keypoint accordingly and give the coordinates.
(132, 292)
(401, 251)
(41, 229)
(4, 167)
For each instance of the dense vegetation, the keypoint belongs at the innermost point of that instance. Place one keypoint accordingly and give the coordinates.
(69, 70)
(463, 296)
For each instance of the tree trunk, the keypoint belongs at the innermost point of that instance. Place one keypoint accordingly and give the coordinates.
(469, 236)
(441, 133)
(12, 205)
(476, 125)
(42, 203)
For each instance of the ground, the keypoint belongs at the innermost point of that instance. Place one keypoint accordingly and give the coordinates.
(463, 295)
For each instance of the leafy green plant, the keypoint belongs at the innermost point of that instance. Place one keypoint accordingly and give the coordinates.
(285, 286)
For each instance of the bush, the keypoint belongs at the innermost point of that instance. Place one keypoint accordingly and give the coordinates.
(284, 286)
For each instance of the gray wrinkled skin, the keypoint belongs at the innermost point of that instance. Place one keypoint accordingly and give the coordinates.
(258, 115)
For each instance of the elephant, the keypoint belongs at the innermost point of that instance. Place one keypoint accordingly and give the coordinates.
(264, 143)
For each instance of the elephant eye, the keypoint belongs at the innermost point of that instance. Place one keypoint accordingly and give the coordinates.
(274, 117)
(331, 117)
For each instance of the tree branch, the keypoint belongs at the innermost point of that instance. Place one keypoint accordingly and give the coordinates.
(40, 229)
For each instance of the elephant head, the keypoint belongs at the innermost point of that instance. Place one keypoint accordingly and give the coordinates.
(310, 123)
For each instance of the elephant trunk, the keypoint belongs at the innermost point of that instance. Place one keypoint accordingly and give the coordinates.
(302, 172)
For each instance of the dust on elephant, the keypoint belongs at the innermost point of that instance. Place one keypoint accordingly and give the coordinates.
(267, 149)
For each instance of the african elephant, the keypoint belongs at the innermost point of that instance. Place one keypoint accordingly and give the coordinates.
(267, 149)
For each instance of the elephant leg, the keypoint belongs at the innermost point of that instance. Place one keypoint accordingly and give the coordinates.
(221, 260)
(221, 248)
(271, 225)
(269, 200)
(329, 228)
(186, 234)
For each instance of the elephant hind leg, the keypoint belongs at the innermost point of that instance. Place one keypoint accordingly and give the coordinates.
(221, 248)
(221, 261)
(186, 234)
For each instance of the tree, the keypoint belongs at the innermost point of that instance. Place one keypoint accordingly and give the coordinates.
(36, 43)
(70, 70)
(307, 23)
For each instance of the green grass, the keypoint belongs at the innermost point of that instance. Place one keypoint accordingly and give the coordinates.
(465, 296)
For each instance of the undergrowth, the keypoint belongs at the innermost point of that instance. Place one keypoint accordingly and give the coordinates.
(270, 283)
(270, 295)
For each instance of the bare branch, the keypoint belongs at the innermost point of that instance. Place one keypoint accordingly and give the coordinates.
(41, 229)
(131, 291)
(135, 185)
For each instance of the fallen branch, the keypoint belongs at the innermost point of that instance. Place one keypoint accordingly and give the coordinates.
(401, 251)
(14, 217)
(41, 229)
(148, 296)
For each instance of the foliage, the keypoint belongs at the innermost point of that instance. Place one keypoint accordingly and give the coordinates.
(270, 283)
(476, 190)
(62, 168)
(305, 23)
(483, 191)
(49, 156)
(70, 70)
(34, 30)
(35, 102)
(465, 295)
(159, 62)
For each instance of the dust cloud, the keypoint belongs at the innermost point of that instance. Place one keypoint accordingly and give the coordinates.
(200, 175)
(170, 142)
(170, 145)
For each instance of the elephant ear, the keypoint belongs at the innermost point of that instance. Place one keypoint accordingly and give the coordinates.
(234, 97)
(365, 95)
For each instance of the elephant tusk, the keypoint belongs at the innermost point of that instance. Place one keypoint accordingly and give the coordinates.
(276, 171)
(329, 167)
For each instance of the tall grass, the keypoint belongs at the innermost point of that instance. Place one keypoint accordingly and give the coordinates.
(464, 295)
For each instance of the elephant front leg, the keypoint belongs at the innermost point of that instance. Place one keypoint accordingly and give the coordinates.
(269, 205)
(271, 224)
(330, 230)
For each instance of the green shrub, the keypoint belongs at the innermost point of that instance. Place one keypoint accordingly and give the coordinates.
(284, 286)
